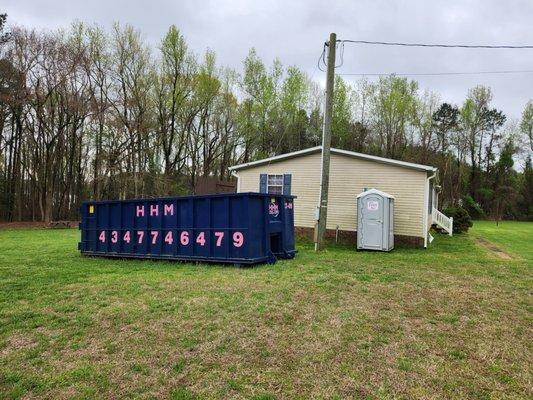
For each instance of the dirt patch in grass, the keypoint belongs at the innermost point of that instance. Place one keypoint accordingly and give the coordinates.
(493, 249)
(17, 342)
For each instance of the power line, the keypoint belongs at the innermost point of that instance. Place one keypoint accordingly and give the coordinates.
(341, 54)
(322, 58)
(439, 73)
(462, 46)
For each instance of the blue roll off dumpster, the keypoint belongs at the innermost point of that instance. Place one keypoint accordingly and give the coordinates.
(238, 228)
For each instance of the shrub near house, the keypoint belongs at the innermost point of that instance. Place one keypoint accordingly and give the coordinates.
(461, 219)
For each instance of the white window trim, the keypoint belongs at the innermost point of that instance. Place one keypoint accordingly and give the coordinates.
(279, 186)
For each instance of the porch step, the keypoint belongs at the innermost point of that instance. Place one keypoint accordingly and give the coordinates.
(442, 221)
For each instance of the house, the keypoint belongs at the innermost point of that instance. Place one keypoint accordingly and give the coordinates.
(298, 173)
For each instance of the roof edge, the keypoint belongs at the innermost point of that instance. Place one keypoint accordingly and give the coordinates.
(385, 160)
(275, 158)
(348, 153)
(375, 191)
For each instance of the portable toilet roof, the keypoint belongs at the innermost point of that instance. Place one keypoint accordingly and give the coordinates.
(375, 191)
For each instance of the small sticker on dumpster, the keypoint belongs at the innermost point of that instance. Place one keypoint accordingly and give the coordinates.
(91, 209)
(273, 209)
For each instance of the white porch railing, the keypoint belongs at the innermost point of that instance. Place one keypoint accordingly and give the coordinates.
(443, 221)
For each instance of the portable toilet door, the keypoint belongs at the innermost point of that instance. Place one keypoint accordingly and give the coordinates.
(375, 217)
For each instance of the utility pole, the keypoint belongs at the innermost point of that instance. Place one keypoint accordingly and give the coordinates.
(326, 144)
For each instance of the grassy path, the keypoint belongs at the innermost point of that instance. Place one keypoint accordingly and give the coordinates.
(515, 237)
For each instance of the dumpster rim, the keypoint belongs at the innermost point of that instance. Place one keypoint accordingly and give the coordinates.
(188, 197)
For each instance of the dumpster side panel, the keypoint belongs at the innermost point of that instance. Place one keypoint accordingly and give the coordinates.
(230, 228)
(288, 237)
(258, 236)
(201, 220)
(220, 225)
(185, 223)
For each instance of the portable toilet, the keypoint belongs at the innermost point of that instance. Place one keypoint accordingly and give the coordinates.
(375, 220)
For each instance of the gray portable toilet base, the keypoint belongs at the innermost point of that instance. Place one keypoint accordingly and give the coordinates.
(375, 220)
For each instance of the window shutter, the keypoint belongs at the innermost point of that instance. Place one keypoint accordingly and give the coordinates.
(263, 183)
(287, 178)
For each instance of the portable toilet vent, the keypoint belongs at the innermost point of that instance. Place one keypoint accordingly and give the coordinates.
(375, 217)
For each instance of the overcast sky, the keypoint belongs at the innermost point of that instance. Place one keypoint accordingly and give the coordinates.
(294, 31)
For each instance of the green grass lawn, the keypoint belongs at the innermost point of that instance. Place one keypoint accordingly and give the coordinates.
(452, 321)
(514, 237)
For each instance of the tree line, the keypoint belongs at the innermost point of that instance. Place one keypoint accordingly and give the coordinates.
(93, 114)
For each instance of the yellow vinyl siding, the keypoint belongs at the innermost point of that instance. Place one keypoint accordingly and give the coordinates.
(348, 177)
(305, 183)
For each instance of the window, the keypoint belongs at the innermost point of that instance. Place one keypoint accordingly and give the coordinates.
(275, 184)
